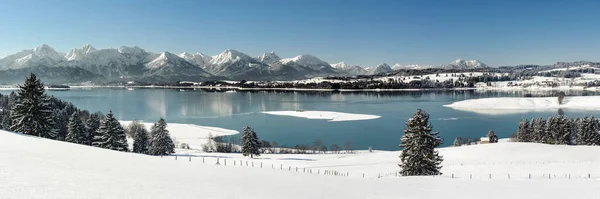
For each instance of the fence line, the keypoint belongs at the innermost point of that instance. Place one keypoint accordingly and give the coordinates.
(220, 161)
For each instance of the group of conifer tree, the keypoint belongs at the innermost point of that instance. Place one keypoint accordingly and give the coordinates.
(560, 130)
(30, 111)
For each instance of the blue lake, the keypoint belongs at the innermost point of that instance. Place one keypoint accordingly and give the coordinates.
(233, 110)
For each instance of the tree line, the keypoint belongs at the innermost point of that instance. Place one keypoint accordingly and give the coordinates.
(560, 130)
(31, 111)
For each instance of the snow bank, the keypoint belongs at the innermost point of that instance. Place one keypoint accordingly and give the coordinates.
(324, 115)
(508, 105)
(34, 168)
(195, 136)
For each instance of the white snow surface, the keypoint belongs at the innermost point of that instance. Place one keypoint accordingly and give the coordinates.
(33, 168)
(507, 105)
(193, 135)
(325, 115)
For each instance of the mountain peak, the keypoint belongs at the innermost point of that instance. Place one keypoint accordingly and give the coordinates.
(306, 59)
(229, 55)
(465, 64)
(340, 65)
(269, 58)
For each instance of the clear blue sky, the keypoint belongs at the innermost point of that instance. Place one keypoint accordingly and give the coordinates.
(497, 32)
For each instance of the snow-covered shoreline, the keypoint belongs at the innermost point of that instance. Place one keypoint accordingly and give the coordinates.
(324, 115)
(508, 105)
(193, 135)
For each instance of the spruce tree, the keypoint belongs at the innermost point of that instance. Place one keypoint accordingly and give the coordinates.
(31, 113)
(458, 141)
(523, 132)
(111, 134)
(539, 134)
(419, 156)
(160, 140)
(75, 129)
(141, 139)
(250, 143)
(562, 130)
(551, 129)
(492, 136)
(92, 125)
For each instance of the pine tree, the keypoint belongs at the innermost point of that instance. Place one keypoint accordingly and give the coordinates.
(92, 125)
(31, 113)
(141, 139)
(419, 156)
(250, 143)
(111, 134)
(160, 140)
(75, 129)
(523, 132)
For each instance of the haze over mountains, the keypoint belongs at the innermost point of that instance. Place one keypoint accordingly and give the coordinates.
(134, 63)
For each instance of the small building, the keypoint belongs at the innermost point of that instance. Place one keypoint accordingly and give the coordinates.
(484, 140)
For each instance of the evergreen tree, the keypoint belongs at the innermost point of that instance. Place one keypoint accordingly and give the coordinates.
(76, 129)
(140, 136)
(492, 136)
(588, 132)
(160, 140)
(523, 132)
(31, 113)
(458, 141)
(539, 134)
(250, 143)
(561, 131)
(111, 134)
(419, 156)
(92, 125)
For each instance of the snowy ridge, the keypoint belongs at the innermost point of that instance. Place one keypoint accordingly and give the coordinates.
(269, 58)
(465, 64)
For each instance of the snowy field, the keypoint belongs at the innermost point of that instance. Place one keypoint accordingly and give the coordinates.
(507, 105)
(324, 115)
(40, 168)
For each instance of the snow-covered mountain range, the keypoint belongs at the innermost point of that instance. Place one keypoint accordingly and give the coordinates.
(135, 63)
(465, 64)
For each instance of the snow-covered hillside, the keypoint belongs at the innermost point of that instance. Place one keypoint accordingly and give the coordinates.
(39, 168)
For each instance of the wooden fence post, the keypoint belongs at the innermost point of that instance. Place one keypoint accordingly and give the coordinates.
(190, 158)
(490, 176)
(175, 157)
(260, 164)
(453, 175)
(363, 175)
(225, 162)
(470, 176)
(202, 160)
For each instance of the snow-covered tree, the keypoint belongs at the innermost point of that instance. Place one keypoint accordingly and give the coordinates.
(75, 129)
(111, 134)
(562, 130)
(250, 143)
(492, 136)
(160, 140)
(419, 156)
(140, 136)
(540, 133)
(588, 132)
(523, 132)
(92, 125)
(457, 141)
(31, 113)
